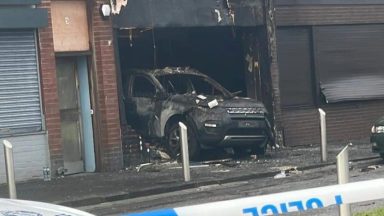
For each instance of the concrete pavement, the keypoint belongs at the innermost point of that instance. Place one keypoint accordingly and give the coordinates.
(92, 188)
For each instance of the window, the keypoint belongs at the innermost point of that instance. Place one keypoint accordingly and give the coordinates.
(142, 87)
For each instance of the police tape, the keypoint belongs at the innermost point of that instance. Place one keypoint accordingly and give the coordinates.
(280, 203)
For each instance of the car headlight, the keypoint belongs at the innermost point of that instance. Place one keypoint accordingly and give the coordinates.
(211, 124)
(377, 129)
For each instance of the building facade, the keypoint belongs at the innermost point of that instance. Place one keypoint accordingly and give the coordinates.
(21, 112)
(63, 68)
(79, 88)
(58, 102)
(329, 56)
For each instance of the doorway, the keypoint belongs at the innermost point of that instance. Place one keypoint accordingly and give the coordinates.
(75, 114)
(215, 51)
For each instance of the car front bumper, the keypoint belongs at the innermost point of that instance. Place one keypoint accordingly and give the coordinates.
(244, 132)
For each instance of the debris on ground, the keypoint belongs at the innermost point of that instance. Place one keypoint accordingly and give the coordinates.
(294, 170)
(228, 162)
(220, 171)
(149, 167)
(138, 168)
(280, 175)
(253, 157)
(288, 171)
(217, 161)
(370, 168)
(191, 167)
(276, 146)
(162, 155)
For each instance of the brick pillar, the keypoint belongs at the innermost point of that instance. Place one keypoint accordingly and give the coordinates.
(270, 23)
(49, 91)
(106, 93)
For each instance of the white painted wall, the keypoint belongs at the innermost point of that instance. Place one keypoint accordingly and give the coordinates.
(30, 154)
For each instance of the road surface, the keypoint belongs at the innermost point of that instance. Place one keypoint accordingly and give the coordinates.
(308, 179)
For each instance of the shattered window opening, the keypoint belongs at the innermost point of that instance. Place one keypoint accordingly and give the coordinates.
(142, 87)
(189, 84)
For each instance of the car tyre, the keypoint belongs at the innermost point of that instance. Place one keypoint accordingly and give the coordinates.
(172, 141)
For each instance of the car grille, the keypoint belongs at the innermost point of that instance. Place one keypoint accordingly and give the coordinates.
(245, 131)
(245, 110)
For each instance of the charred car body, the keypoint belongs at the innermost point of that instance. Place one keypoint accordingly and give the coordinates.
(157, 100)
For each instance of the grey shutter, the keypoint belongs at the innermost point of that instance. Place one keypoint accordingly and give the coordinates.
(350, 62)
(20, 109)
(295, 66)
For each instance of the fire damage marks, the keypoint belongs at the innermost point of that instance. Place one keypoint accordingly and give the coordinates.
(218, 53)
(193, 42)
(157, 100)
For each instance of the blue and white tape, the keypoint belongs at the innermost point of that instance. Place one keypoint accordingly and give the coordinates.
(281, 203)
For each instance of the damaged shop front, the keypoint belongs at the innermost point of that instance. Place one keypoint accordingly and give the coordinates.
(225, 40)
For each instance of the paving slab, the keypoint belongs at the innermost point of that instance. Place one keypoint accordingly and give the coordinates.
(92, 188)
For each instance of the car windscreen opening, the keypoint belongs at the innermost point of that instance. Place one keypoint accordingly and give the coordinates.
(188, 84)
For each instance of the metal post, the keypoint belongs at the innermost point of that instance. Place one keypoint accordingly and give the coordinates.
(323, 128)
(9, 169)
(184, 151)
(343, 177)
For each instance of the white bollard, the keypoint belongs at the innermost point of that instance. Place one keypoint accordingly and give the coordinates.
(343, 176)
(323, 128)
(184, 151)
(9, 169)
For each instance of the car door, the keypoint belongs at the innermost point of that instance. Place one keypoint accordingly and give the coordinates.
(140, 104)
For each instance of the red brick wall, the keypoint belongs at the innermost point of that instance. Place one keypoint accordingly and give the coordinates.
(345, 122)
(107, 123)
(110, 147)
(49, 91)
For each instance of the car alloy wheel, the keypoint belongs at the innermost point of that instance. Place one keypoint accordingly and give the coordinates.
(173, 139)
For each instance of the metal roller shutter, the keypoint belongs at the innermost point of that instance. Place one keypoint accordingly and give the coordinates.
(350, 62)
(295, 66)
(20, 109)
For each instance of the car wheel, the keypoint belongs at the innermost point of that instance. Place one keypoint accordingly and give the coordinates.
(172, 141)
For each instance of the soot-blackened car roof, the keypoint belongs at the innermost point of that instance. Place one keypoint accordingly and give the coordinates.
(168, 70)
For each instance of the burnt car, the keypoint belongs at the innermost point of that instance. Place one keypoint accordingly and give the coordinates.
(156, 100)
(377, 137)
